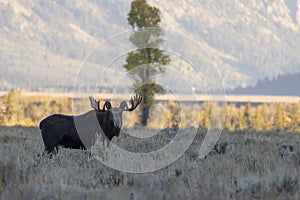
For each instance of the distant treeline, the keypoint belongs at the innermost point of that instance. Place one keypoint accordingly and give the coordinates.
(16, 109)
(285, 85)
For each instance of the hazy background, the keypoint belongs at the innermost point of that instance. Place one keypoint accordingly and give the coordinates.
(43, 43)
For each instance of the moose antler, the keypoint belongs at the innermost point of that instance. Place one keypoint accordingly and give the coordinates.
(107, 105)
(96, 104)
(135, 101)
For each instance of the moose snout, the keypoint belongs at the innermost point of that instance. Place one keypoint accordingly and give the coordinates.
(117, 131)
(117, 128)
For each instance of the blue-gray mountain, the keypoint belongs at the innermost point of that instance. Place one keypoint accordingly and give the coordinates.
(283, 85)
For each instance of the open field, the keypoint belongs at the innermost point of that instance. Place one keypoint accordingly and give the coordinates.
(263, 165)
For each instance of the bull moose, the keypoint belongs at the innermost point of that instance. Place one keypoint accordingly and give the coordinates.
(79, 132)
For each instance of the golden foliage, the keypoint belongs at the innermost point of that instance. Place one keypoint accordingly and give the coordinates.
(17, 109)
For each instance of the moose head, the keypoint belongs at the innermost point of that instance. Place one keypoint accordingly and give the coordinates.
(111, 118)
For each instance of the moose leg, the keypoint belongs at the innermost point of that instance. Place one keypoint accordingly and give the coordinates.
(48, 151)
(51, 138)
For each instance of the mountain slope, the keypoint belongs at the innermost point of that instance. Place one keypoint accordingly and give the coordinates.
(263, 36)
(43, 43)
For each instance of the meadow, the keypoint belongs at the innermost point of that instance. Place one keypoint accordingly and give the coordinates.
(245, 164)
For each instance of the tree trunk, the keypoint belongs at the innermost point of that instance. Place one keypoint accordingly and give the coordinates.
(145, 109)
(145, 114)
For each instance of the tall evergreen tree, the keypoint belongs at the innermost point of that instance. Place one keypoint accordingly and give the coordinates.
(146, 36)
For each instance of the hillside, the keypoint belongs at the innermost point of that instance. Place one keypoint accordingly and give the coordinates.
(286, 85)
(43, 43)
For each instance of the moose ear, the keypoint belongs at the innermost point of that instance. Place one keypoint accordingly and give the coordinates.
(123, 105)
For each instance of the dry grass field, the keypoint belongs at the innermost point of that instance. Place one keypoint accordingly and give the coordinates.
(243, 165)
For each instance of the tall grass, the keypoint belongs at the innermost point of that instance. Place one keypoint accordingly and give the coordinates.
(262, 165)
